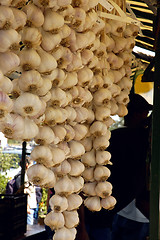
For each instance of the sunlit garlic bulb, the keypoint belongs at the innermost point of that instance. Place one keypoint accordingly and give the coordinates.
(71, 218)
(42, 155)
(52, 21)
(58, 203)
(98, 128)
(9, 61)
(27, 104)
(78, 183)
(34, 15)
(88, 174)
(55, 220)
(13, 126)
(64, 186)
(88, 158)
(29, 59)
(6, 105)
(74, 201)
(31, 37)
(77, 149)
(30, 81)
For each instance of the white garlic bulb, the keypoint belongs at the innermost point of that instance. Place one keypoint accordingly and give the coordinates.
(93, 203)
(74, 201)
(45, 135)
(89, 188)
(58, 203)
(103, 189)
(108, 202)
(88, 158)
(55, 220)
(101, 173)
(42, 155)
(71, 218)
(103, 157)
(58, 155)
(64, 186)
(78, 183)
(77, 167)
(76, 149)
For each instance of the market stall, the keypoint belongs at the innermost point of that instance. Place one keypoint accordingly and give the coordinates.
(68, 68)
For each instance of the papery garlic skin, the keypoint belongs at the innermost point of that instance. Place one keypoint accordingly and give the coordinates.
(45, 135)
(64, 186)
(103, 189)
(63, 233)
(93, 203)
(108, 202)
(74, 201)
(27, 104)
(55, 220)
(9, 61)
(89, 188)
(13, 127)
(6, 105)
(42, 155)
(101, 173)
(40, 175)
(71, 218)
(58, 203)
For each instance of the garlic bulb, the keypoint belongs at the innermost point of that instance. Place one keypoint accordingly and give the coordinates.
(82, 114)
(122, 110)
(34, 14)
(54, 116)
(103, 189)
(42, 155)
(103, 157)
(96, 83)
(20, 19)
(27, 104)
(77, 167)
(70, 133)
(44, 89)
(87, 143)
(102, 113)
(47, 63)
(58, 97)
(71, 218)
(6, 17)
(58, 155)
(13, 126)
(85, 75)
(86, 56)
(50, 41)
(57, 77)
(62, 169)
(98, 128)
(52, 21)
(64, 146)
(6, 105)
(60, 132)
(30, 81)
(9, 61)
(9, 40)
(88, 158)
(76, 149)
(70, 80)
(93, 203)
(29, 59)
(58, 203)
(64, 233)
(16, 90)
(74, 201)
(31, 37)
(71, 114)
(55, 220)
(78, 183)
(108, 202)
(5, 2)
(30, 129)
(64, 186)
(39, 174)
(45, 135)
(88, 174)
(81, 131)
(102, 142)
(101, 173)
(89, 188)
(6, 84)
(102, 96)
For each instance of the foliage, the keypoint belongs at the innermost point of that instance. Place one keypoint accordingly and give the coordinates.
(3, 183)
(43, 202)
(8, 161)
